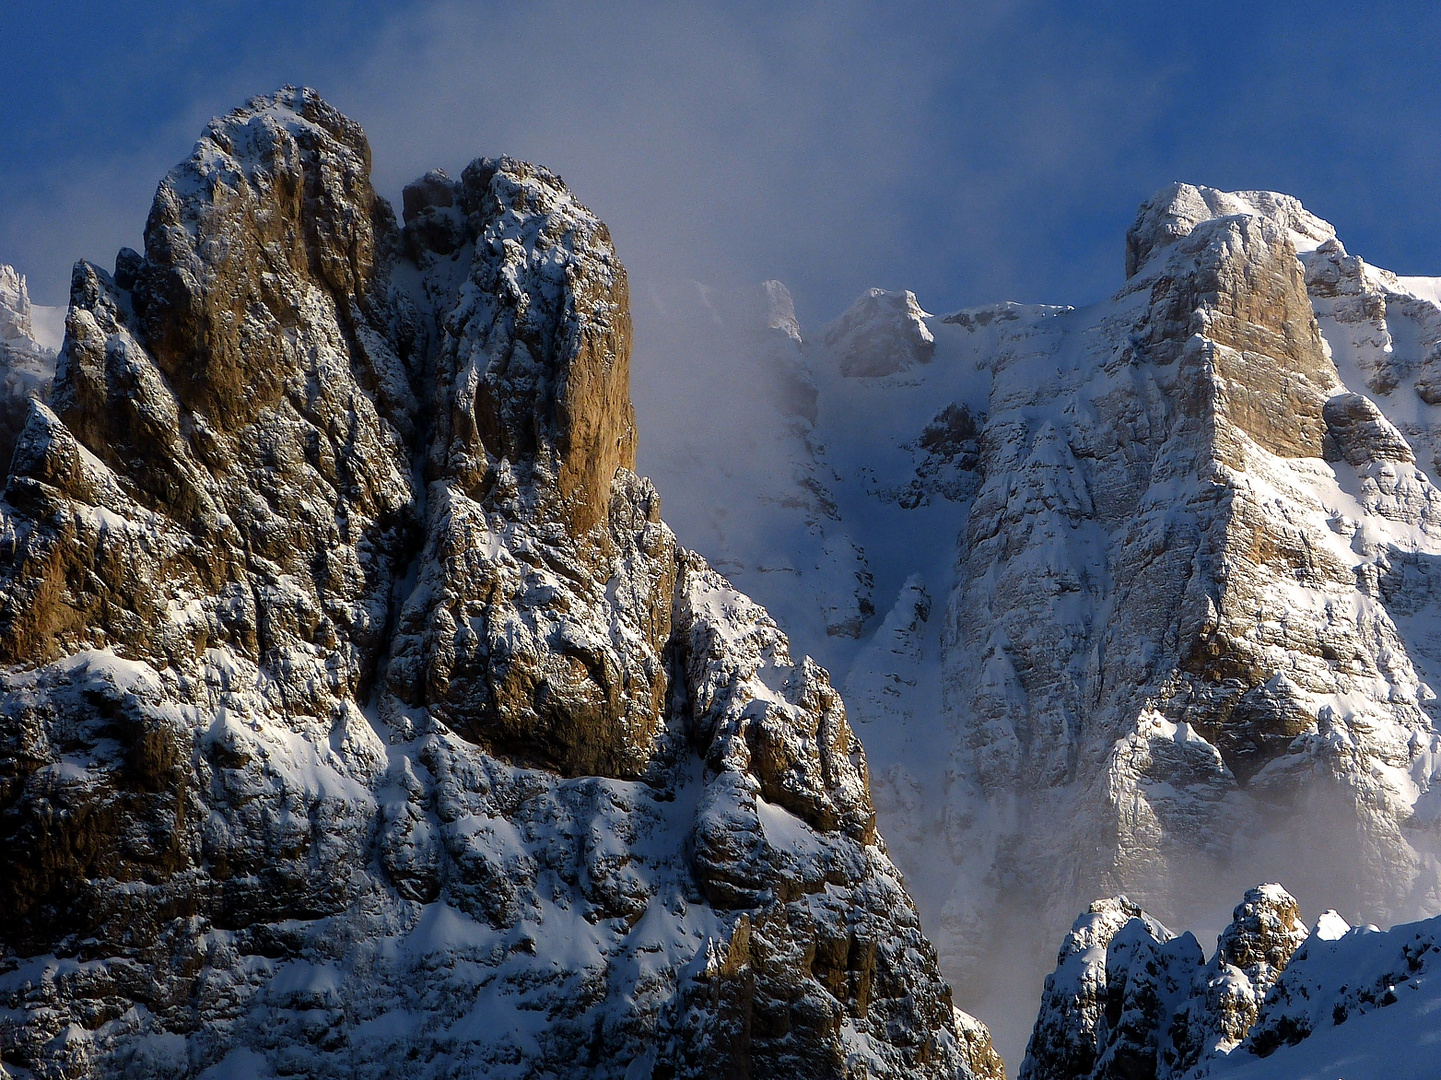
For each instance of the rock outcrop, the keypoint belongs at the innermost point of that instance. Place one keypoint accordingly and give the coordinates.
(358, 713)
(881, 334)
(1130, 1000)
(26, 365)
(1181, 547)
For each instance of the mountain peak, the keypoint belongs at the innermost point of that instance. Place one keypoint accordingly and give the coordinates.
(15, 311)
(1175, 210)
(345, 663)
(881, 333)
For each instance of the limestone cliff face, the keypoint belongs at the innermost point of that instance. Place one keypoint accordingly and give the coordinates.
(530, 654)
(1169, 629)
(359, 714)
(1150, 594)
(543, 280)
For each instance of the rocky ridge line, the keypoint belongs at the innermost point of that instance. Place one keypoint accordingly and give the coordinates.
(1130, 999)
(359, 714)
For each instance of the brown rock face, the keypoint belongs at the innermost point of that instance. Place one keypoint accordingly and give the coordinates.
(1244, 292)
(1236, 365)
(526, 647)
(347, 672)
(288, 211)
(1232, 308)
(524, 652)
(1360, 434)
(537, 365)
(250, 408)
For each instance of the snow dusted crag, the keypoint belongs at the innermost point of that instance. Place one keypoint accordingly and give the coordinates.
(1149, 605)
(1191, 617)
(27, 355)
(1130, 999)
(359, 716)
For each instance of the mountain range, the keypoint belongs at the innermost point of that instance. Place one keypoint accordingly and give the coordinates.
(361, 715)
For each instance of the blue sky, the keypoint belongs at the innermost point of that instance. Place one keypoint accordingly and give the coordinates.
(971, 152)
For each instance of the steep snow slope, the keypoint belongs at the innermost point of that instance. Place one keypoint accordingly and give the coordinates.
(359, 716)
(1140, 593)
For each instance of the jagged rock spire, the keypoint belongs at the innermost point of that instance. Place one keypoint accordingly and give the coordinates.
(345, 665)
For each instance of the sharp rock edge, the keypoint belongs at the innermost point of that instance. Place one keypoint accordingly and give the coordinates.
(359, 716)
(1130, 999)
(1130, 598)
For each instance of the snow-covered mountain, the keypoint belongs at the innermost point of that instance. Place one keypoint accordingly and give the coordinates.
(30, 336)
(1275, 1002)
(360, 716)
(1133, 597)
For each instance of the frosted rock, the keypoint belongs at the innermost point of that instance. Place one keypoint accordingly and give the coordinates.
(1274, 1000)
(26, 365)
(1128, 998)
(880, 334)
(1227, 995)
(15, 316)
(1118, 976)
(359, 716)
(1176, 210)
(1182, 547)
(779, 310)
(1362, 433)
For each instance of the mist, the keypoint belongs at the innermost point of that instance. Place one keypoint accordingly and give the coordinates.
(993, 151)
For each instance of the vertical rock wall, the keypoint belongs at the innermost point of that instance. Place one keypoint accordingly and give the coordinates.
(358, 713)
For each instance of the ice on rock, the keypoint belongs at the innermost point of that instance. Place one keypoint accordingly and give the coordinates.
(1129, 998)
(779, 310)
(380, 711)
(1274, 1002)
(1330, 926)
(28, 344)
(882, 333)
(1176, 210)
(15, 323)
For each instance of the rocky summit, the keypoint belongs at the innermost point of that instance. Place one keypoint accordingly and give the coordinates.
(1131, 598)
(360, 716)
(1129, 999)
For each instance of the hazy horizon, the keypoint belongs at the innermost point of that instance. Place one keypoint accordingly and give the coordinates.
(995, 151)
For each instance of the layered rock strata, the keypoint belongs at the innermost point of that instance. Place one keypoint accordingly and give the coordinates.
(358, 713)
(1185, 648)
